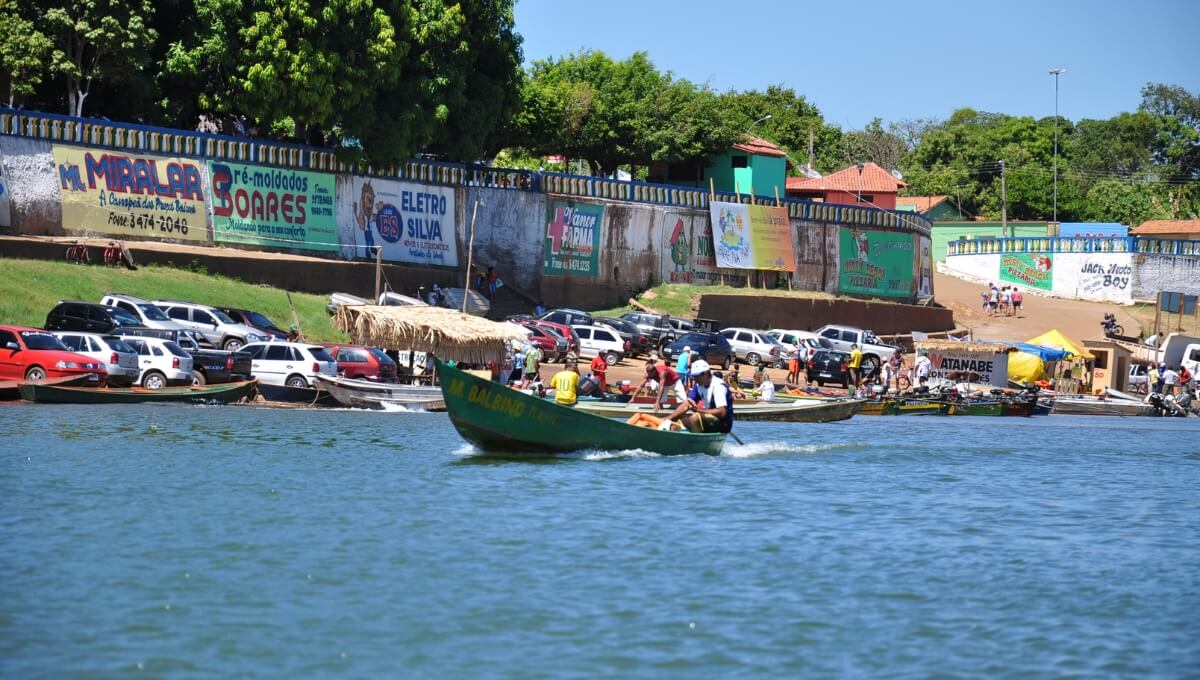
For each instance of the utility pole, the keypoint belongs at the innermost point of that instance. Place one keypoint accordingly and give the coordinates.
(1003, 202)
(810, 150)
(1056, 72)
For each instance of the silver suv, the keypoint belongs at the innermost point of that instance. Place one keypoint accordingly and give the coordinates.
(216, 326)
(753, 347)
(150, 315)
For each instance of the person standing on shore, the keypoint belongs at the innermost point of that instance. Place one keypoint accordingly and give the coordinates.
(533, 365)
(923, 366)
(1017, 299)
(1154, 377)
(684, 360)
(794, 363)
(600, 371)
(854, 364)
(1170, 381)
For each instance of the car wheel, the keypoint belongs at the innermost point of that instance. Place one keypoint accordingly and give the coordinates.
(154, 380)
(198, 379)
(727, 363)
(612, 358)
(296, 381)
(232, 344)
(35, 374)
(753, 359)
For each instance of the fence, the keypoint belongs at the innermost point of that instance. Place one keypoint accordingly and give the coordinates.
(1055, 244)
(167, 141)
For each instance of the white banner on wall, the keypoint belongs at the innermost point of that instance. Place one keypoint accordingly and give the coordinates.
(989, 368)
(1103, 277)
(411, 223)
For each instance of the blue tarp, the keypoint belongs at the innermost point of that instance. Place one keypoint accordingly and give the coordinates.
(1041, 352)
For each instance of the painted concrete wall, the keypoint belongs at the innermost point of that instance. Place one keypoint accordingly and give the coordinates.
(945, 232)
(509, 231)
(34, 207)
(1173, 273)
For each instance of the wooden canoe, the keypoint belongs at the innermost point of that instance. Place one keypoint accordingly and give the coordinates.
(499, 419)
(900, 407)
(10, 390)
(382, 396)
(809, 411)
(221, 393)
(972, 408)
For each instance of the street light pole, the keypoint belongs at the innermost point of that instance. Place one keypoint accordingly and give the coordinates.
(766, 117)
(1056, 72)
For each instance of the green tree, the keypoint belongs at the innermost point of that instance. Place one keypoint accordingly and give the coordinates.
(793, 119)
(1180, 136)
(23, 51)
(97, 40)
(874, 144)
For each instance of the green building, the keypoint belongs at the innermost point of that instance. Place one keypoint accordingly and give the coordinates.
(934, 207)
(753, 163)
(945, 232)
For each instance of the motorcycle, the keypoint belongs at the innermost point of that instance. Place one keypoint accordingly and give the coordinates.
(1111, 327)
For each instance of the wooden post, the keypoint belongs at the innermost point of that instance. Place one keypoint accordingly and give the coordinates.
(777, 202)
(295, 318)
(378, 272)
(470, 255)
(712, 196)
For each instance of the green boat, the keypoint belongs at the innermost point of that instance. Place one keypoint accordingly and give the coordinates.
(221, 393)
(499, 419)
(900, 407)
(972, 408)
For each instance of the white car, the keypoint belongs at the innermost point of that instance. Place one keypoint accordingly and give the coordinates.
(807, 341)
(753, 347)
(215, 325)
(119, 359)
(600, 341)
(162, 362)
(295, 364)
(149, 314)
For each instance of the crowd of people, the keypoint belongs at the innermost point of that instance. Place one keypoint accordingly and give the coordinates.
(1004, 301)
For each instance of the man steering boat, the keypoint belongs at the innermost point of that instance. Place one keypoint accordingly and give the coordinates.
(709, 405)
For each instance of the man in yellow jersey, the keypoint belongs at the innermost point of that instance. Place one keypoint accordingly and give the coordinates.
(854, 364)
(565, 384)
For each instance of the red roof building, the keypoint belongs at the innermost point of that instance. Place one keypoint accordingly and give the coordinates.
(1180, 229)
(866, 184)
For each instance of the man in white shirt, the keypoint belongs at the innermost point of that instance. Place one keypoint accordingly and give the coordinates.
(1170, 379)
(709, 406)
(923, 367)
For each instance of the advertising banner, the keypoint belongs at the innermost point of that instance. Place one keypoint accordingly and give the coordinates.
(689, 252)
(275, 207)
(123, 194)
(1034, 271)
(752, 237)
(412, 223)
(988, 368)
(878, 263)
(572, 244)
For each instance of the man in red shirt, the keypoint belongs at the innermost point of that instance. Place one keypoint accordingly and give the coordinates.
(600, 369)
(667, 379)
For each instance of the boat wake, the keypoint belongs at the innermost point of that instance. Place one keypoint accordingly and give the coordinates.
(755, 449)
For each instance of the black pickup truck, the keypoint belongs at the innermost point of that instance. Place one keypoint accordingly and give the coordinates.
(208, 365)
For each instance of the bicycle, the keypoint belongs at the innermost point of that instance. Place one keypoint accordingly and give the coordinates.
(114, 254)
(77, 253)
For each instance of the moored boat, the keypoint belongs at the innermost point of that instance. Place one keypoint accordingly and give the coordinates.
(900, 407)
(1091, 406)
(381, 396)
(222, 393)
(10, 390)
(496, 418)
(972, 408)
(283, 394)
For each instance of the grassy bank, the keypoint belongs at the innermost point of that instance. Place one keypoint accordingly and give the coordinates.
(681, 300)
(30, 288)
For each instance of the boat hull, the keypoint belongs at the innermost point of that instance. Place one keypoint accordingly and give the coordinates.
(984, 408)
(381, 396)
(10, 390)
(813, 411)
(900, 407)
(499, 419)
(222, 393)
(296, 395)
(1094, 407)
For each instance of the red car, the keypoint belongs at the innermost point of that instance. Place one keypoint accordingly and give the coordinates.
(364, 363)
(567, 332)
(554, 347)
(35, 355)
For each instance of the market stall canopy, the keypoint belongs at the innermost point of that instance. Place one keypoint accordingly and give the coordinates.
(1042, 352)
(445, 333)
(1026, 367)
(1053, 338)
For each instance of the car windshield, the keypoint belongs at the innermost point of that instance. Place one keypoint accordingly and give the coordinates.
(221, 316)
(119, 345)
(381, 356)
(153, 313)
(35, 340)
(123, 317)
(320, 354)
(175, 349)
(259, 320)
(771, 340)
(692, 339)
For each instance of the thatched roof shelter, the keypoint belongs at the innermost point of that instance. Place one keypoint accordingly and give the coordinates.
(953, 346)
(444, 333)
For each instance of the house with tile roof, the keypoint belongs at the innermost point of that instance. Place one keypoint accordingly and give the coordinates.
(933, 207)
(864, 184)
(1184, 230)
(751, 164)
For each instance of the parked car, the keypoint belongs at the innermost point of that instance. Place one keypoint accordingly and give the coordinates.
(656, 327)
(119, 359)
(255, 320)
(148, 314)
(294, 364)
(35, 355)
(568, 317)
(639, 343)
(874, 352)
(212, 323)
(364, 363)
(554, 346)
(753, 347)
(1139, 378)
(88, 317)
(807, 341)
(681, 326)
(600, 340)
(828, 366)
(162, 362)
(566, 332)
(712, 347)
(208, 365)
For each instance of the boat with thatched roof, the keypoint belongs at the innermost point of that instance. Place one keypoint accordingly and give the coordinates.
(444, 333)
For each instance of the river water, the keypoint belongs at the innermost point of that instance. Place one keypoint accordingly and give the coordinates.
(173, 542)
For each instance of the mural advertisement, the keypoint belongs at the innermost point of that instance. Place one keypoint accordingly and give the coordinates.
(122, 194)
(878, 263)
(925, 266)
(988, 368)
(1031, 270)
(5, 210)
(275, 207)
(572, 243)
(1101, 277)
(411, 223)
(752, 237)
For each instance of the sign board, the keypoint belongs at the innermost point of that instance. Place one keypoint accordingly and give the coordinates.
(124, 194)
(1033, 271)
(274, 207)
(878, 263)
(572, 243)
(962, 365)
(412, 223)
(752, 236)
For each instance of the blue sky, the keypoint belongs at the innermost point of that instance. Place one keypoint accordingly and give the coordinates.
(858, 60)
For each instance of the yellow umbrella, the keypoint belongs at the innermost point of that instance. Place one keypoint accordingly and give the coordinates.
(1025, 367)
(1053, 338)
